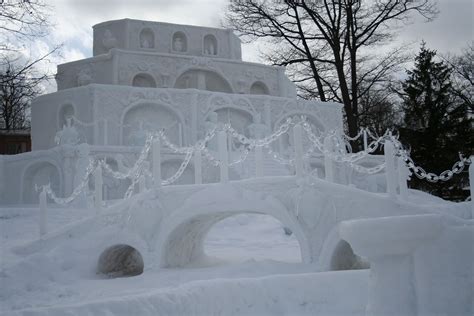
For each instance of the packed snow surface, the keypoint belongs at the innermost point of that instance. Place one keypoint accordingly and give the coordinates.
(256, 270)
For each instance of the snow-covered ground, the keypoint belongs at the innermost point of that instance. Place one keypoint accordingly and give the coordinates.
(257, 271)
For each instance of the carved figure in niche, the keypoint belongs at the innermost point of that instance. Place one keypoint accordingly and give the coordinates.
(144, 43)
(68, 135)
(210, 45)
(138, 136)
(109, 41)
(84, 77)
(178, 44)
(210, 124)
(257, 129)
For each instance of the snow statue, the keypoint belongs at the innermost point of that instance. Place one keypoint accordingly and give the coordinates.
(138, 136)
(178, 44)
(68, 135)
(210, 124)
(84, 77)
(257, 129)
(82, 163)
(109, 41)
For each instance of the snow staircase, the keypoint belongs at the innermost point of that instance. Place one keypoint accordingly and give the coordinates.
(246, 169)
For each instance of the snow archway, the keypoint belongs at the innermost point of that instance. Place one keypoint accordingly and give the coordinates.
(38, 174)
(141, 118)
(203, 79)
(181, 240)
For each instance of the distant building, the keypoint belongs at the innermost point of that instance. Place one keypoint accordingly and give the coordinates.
(14, 141)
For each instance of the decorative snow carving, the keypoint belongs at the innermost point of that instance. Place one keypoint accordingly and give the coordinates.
(68, 135)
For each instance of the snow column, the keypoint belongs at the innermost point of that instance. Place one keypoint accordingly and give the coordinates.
(328, 163)
(390, 169)
(43, 229)
(471, 184)
(403, 173)
(98, 183)
(197, 166)
(390, 243)
(156, 156)
(258, 162)
(298, 141)
(223, 156)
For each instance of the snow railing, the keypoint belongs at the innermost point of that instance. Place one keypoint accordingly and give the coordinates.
(397, 163)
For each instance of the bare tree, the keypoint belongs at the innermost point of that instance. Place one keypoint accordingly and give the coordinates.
(333, 47)
(21, 20)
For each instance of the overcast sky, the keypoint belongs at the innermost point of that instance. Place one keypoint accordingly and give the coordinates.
(74, 19)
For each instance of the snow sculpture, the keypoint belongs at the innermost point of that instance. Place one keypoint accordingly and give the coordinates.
(84, 77)
(257, 129)
(138, 136)
(82, 163)
(109, 41)
(68, 135)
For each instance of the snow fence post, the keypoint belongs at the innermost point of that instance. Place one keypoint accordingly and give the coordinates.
(223, 156)
(390, 169)
(258, 162)
(403, 173)
(328, 163)
(43, 229)
(298, 141)
(365, 138)
(156, 161)
(197, 166)
(106, 133)
(98, 187)
(471, 184)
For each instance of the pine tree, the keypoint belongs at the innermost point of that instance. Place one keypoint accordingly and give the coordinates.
(437, 126)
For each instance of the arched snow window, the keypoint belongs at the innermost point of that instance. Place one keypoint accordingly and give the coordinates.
(210, 45)
(180, 43)
(259, 87)
(147, 38)
(144, 80)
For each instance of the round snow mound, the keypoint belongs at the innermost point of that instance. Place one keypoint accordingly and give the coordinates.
(120, 261)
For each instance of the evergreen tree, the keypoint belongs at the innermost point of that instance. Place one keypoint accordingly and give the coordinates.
(437, 126)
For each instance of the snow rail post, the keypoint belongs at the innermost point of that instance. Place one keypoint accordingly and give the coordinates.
(390, 169)
(298, 141)
(43, 229)
(471, 184)
(365, 138)
(156, 158)
(197, 166)
(328, 163)
(258, 162)
(98, 183)
(223, 156)
(106, 133)
(402, 178)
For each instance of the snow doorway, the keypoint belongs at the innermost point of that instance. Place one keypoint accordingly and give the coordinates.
(344, 258)
(251, 237)
(120, 261)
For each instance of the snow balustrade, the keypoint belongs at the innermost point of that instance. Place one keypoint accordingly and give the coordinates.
(397, 164)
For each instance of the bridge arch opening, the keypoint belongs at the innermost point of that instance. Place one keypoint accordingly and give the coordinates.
(213, 238)
(344, 258)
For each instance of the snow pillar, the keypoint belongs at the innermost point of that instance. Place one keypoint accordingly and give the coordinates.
(403, 173)
(328, 163)
(471, 184)
(258, 162)
(156, 163)
(180, 134)
(194, 115)
(389, 244)
(298, 141)
(106, 132)
(98, 183)
(390, 169)
(365, 138)
(43, 229)
(197, 166)
(223, 156)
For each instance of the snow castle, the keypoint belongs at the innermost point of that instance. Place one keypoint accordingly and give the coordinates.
(147, 76)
